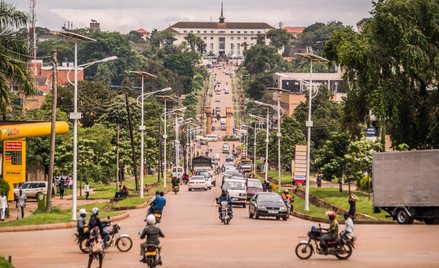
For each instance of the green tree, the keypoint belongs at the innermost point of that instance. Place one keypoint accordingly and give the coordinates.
(13, 55)
(259, 84)
(393, 68)
(191, 39)
(279, 38)
(330, 159)
(316, 34)
(358, 159)
(263, 59)
(135, 37)
(183, 67)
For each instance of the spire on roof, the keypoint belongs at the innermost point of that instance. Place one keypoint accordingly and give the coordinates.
(221, 18)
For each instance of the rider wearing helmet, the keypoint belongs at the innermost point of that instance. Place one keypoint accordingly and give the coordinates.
(287, 195)
(332, 231)
(95, 221)
(152, 234)
(151, 203)
(81, 224)
(225, 197)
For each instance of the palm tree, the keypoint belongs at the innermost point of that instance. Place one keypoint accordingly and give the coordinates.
(14, 55)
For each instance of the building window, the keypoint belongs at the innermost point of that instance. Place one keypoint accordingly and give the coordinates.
(245, 32)
(211, 46)
(184, 31)
(232, 46)
(205, 38)
(239, 47)
(239, 38)
(192, 31)
(239, 31)
(231, 31)
(231, 38)
(222, 43)
(245, 38)
(251, 32)
(222, 32)
(205, 31)
(198, 31)
(211, 38)
(259, 32)
(211, 31)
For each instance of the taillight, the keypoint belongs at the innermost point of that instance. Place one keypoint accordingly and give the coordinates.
(150, 248)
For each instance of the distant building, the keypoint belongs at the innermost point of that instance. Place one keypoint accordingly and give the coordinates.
(361, 23)
(144, 33)
(294, 31)
(223, 38)
(95, 27)
(297, 85)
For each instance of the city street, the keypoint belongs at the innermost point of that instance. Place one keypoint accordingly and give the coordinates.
(195, 237)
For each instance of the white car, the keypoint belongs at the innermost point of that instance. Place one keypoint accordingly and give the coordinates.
(32, 189)
(197, 182)
(237, 190)
(211, 138)
(177, 171)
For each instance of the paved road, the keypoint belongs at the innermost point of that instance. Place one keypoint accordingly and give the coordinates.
(196, 238)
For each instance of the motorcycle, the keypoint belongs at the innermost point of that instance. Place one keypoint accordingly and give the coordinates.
(175, 188)
(152, 259)
(185, 178)
(341, 247)
(225, 213)
(158, 215)
(289, 205)
(122, 241)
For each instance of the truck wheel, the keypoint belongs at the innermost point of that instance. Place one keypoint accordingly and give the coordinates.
(403, 217)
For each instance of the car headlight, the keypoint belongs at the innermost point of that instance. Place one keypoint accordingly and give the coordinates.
(261, 207)
(283, 209)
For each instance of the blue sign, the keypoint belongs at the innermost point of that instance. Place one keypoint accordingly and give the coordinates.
(371, 132)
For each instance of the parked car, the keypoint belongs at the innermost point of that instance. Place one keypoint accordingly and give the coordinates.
(254, 186)
(32, 189)
(197, 182)
(211, 137)
(216, 157)
(226, 148)
(229, 158)
(237, 191)
(207, 176)
(267, 205)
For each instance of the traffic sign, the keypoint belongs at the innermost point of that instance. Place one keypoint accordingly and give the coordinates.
(371, 132)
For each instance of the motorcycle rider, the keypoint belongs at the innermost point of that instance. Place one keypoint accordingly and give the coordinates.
(152, 202)
(81, 224)
(287, 196)
(175, 181)
(185, 177)
(225, 197)
(332, 231)
(348, 231)
(153, 234)
(95, 221)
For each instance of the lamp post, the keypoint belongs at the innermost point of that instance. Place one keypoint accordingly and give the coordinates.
(142, 127)
(278, 109)
(165, 136)
(254, 143)
(75, 115)
(309, 124)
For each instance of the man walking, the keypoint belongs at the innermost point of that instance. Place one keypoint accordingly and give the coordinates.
(86, 190)
(3, 206)
(21, 204)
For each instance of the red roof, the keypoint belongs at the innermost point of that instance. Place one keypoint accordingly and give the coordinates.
(142, 31)
(294, 30)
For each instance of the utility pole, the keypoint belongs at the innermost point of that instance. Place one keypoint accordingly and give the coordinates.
(52, 130)
(117, 156)
(133, 152)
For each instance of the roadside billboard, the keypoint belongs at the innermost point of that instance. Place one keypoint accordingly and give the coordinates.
(14, 163)
(299, 173)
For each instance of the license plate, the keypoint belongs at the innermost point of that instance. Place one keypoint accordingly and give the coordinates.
(272, 211)
(151, 253)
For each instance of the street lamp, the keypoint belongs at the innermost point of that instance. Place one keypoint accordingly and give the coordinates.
(165, 136)
(267, 120)
(255, 129)
(279, 110)
(142, 127)
(75, 115)
(309, 124)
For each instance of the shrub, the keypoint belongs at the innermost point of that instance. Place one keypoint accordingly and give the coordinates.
(4, 186)
(364, 182)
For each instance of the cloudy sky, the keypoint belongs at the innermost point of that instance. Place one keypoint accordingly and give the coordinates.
(126, 15)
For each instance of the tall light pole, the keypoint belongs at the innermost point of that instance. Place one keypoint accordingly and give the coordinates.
(279, 110)
(164, 116)
(75, 115)
(309, 124)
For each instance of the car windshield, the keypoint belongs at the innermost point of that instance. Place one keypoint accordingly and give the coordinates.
(231, 172)
(246, 163)
(255, 184)
(205, 174)
(25, 186)
(197, 178)
(234, 185)
(269, 197)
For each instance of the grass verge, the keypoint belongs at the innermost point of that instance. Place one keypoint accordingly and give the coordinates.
(130, 202)
(4, 263)
(59, 215)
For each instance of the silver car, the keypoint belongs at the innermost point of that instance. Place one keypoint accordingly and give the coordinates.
(32, 189)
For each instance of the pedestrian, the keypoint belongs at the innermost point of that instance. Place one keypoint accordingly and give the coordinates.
(3, 206)
(319, 179)
(96, 247)
(86, 190)
(61, 189)
(21, 204)
(352, 205)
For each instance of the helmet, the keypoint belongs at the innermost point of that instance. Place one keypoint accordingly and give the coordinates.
(82, 211)
(94, 211)
(286, 191)
(150, 220)
(331, 214)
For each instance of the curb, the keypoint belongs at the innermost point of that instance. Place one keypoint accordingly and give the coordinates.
(52, 226)
(322, 220)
